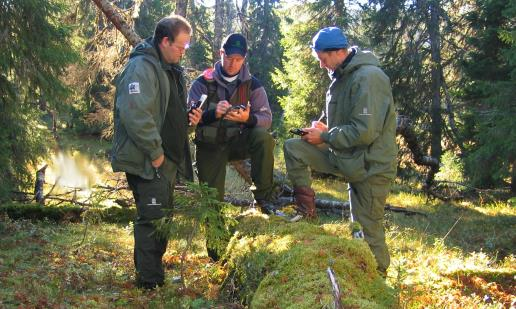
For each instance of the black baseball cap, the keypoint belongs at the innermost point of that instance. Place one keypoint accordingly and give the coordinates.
(235, 43)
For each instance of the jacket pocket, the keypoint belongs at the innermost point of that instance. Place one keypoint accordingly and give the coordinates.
(351, 164)
(216, 135)
(129, 153)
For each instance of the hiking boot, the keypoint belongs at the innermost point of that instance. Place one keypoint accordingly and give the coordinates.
(305, 201)
(148, 285)
(268, 208)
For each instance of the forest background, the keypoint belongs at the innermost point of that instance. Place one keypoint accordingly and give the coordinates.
(452, 65)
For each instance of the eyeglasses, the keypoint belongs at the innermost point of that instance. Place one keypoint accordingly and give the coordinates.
(181, 47)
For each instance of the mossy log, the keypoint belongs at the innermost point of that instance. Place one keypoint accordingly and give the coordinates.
(66, 213)
(273, 263)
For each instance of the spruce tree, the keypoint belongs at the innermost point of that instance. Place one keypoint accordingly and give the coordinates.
(490, 79)
(35, 47)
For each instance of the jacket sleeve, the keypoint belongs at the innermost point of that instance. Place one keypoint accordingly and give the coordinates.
(137, 101)
(196, 90)
(260, 108)
(370, 96)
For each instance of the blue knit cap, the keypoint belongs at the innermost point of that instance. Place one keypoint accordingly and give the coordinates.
(329, 38)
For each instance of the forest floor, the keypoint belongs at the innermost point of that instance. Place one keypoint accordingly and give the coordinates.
(453, 255)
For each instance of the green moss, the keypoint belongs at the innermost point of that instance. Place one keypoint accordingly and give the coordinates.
(70, 213)
(276, 264)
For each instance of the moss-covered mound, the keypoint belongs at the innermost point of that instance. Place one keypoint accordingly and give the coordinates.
(277, 264)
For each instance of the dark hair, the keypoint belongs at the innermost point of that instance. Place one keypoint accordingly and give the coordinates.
(332, 49)
(170, 27)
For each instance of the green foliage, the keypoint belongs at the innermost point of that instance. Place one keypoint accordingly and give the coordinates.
(420, 52)
(452, 168)
(490, 68)
(265, 50)
(300, 77)
(199, 212)
(34, 50)
(199, 54)
(150, 13)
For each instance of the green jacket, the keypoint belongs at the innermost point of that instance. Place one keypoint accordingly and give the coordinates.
(361, 119)
(142, 95)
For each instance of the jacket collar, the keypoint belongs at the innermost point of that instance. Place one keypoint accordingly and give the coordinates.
(342, 68)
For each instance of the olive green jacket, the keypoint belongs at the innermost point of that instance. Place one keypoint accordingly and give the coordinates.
(361, 119)
(142, 95)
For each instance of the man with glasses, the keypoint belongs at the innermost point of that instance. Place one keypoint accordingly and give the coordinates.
(150, 142)
(357, 142)
(235, 122)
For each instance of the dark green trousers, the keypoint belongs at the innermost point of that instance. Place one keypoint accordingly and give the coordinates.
(368, 196)
(254, 143)
(153, 199)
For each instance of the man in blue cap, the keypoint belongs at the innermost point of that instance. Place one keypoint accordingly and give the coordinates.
(235, 124)
(357, 142)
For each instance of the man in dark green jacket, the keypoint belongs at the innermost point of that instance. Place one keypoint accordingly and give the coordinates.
(150, 143)
(358, 141)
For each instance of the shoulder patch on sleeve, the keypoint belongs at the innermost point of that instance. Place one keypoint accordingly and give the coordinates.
(134, 87)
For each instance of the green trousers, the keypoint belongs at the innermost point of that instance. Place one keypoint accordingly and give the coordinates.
(153, 199)
(255, 143)
(368, 197)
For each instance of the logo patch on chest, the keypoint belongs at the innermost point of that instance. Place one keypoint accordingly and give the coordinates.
(134, 87)
(365, 112)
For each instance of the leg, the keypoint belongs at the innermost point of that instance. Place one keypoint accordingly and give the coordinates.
(152, 197)
(259, 146)
(301, 156)
(368, 209)
(211, 165)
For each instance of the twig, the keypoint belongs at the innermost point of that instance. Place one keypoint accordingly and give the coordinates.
(335, 288)
(452, 228)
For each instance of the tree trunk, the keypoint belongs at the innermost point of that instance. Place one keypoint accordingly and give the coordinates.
(435, 110)
(242, 16)
(38, 186)
(513, 176)
(118, 20)
(266, 25)
(181, 7)
(218, 24)
(340, 10)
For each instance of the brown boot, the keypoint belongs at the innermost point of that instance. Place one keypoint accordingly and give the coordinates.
(305, 201)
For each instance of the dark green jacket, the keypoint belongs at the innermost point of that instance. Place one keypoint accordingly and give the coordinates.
(361, 119)
(142, 95)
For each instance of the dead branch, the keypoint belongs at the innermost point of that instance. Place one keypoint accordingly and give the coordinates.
(404, 128)
(118, 21)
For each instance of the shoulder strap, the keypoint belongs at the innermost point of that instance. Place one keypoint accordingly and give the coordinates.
(212, 91)
(242, 95)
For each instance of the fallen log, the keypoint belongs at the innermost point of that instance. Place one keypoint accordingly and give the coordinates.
(322, 204)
